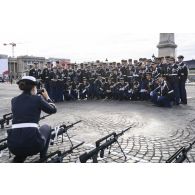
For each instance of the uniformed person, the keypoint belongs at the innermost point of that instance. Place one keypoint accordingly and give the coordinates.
(67, 89)
(26, 138)
(108, 89)
(53, 84)
(46, 77)
(36, 72)
(97, 87)
(59, 84)
(183, 74)
(83, 89)
(146, 87)
(160, 95)
(174, 80)
(122, 89)
(135, 90)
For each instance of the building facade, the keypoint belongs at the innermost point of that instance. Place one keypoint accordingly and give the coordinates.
(21, 65)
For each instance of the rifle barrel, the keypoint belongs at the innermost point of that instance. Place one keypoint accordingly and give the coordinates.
(63, 129)
(3, 140)
(61, 155)
(3, 146)
(41, 160)
(174, 156)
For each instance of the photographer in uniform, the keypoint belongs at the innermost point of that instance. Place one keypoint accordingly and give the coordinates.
(26, 138)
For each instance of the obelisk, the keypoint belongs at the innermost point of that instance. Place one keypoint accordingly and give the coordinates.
(166, 46)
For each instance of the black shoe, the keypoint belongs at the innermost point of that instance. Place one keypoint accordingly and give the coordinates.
(19, 159)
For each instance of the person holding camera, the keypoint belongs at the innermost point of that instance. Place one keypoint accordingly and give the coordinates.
(26, 138)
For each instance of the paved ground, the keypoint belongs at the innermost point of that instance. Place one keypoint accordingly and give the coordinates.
(156, 133)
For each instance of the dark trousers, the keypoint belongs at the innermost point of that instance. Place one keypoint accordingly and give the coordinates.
(182, 90)
(163, 101)
(98, 93)
(144, 95)
(47, 87)
(83, 94)
(153, 96)
(176, 92)
(123, 95)
(135, 95)
(25, 142)
(91, 92)
(70, 95)
(45, 132)
(53, 93)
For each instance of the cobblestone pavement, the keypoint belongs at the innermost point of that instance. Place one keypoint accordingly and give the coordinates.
(155, 135)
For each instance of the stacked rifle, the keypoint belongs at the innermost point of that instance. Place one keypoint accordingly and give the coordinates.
(3, 144)
(5, 120)
(58, 156)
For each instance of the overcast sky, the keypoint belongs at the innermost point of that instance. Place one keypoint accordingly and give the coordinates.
(86, 30)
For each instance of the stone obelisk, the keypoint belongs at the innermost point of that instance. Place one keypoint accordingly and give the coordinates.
(166, 46)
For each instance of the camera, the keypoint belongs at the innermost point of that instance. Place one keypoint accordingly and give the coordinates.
(40, 91)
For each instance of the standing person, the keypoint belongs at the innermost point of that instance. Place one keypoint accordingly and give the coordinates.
(11, 77)
(183, 74)
(60, 84)
(174, 80)
(46, 77)
(36, 72)
(26, 138)
(53, 84)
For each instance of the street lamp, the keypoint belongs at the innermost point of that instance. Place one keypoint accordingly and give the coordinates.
(13, 45)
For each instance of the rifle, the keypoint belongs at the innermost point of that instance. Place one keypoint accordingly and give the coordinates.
(6, 118)
(60, 130)
(109, 140)
(4, 145)
(58, 156)
(181, 155)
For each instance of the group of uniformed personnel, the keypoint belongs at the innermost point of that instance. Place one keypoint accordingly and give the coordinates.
(161, 80)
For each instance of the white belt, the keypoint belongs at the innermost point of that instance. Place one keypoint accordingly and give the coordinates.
(23, 125)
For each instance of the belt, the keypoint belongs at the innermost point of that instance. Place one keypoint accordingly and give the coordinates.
(23, 125)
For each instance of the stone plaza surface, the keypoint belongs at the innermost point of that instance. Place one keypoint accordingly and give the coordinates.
(156, 132)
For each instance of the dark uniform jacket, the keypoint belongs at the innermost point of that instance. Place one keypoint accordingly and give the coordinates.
(35, 73)
(183, 71)
(46, 75)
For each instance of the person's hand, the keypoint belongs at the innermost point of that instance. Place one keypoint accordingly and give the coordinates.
(45, 94)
